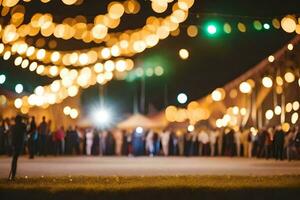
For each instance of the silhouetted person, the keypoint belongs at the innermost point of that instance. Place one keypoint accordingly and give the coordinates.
(18, 136)
(279, 143)
(33, 135)
(43, 132)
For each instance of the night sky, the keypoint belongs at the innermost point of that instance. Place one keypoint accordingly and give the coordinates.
(214, 60)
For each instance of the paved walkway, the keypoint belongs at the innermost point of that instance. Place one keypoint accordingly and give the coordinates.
(145, 166)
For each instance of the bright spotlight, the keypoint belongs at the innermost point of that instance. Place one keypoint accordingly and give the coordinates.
(139, 131)
(101, 117)
(211, 29)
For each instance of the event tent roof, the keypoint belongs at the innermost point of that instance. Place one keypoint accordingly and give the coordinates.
(137, 120)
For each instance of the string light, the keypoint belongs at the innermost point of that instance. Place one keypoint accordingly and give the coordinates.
(245, 87)
(267, 82)
(184, 54)
(218, 94)
(19, 88)
(2, 78)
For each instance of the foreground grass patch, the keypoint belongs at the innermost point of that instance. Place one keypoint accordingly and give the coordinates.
(179, 187)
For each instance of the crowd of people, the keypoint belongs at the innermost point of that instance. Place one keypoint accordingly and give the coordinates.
(41, 140)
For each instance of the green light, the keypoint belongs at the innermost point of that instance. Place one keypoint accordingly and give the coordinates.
(130, 77)
(159, 71)
(212, 29)
(227, 28)
(139, 72)
(149, 72)
(266, 26)
(257, 25)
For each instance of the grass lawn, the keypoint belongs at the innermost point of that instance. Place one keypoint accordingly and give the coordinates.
(178, 187)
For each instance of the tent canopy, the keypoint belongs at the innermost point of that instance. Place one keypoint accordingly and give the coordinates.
(137, 120)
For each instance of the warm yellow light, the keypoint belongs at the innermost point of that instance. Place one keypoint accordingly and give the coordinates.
(105, 53)
(290, 47)
(191, 128)
(279, 81)
(192, 31)
(184, 54)
(69, 2)
(33, 66)
(295, 117)
(10, 3)
(18, 61)
(18, 103)
(67, 110)
(235, 110)
(243, 111)
(121, 65)
(109, 65)
(288, 24)
(41, 53)
(285, 127)
(269, 114)
(219, 123)
(40, 69)
(53, 70)
(115, 10)
(99, 31)
(296, 105)
(170, 113)
(55, 86)
(55, 56)
(271, 59)
(233, 93)
(289, 77)
(267, 82)
(25, 63)
(73, 91)
(30, 51)
(277, 110)
(39, 91)
(83, 59)
(289, 107)
(218, 94)
(74, 113)
(245, 87)
(6, 55)
(98, 67)
(101, 79)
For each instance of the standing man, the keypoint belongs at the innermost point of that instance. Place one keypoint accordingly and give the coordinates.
(32, 134)
(203, 140)
(18, 136)
(43, 132)
(165, 138)
(279, 143)
(237, 141)
(213, 140)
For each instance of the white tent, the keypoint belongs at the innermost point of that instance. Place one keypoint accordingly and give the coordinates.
(137, 120)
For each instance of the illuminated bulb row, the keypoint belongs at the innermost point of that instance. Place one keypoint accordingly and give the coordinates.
(160, 6)
(12, 3)
(288, 108)
(290, 24)
(128, 44)
(74, 27)
(69, 85)
(119, 65)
